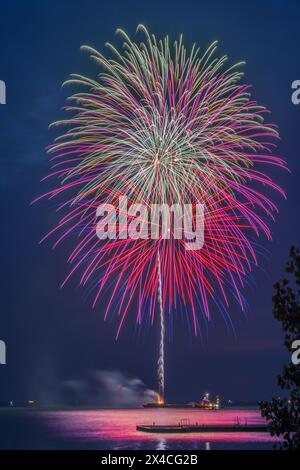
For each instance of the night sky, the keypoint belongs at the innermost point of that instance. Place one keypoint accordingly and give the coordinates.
(54, 336)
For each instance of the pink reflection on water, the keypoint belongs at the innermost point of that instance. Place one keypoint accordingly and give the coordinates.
(120, 425)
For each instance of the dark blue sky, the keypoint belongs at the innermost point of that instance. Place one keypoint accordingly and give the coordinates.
(53, 335)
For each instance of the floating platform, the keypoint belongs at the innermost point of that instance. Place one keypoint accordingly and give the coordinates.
(158, 428)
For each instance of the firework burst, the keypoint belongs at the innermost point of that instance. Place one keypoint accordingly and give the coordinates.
(163, 125)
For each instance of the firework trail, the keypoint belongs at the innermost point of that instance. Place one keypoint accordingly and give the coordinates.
(164, 125)
(161, 359)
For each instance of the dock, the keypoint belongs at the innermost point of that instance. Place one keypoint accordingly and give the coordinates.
(178, 428)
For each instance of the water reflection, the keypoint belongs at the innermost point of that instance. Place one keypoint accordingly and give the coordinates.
(161, 445)
(118, 428)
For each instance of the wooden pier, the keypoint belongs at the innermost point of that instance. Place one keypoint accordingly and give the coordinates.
(188, 428)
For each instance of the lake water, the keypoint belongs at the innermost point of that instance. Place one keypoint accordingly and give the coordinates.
(116, 429)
